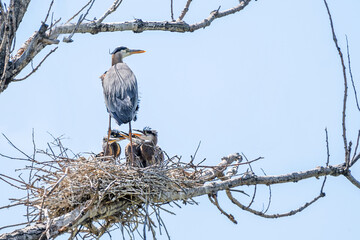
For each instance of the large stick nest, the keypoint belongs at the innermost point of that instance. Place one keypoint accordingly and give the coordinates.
(78, 181)
(62, 185)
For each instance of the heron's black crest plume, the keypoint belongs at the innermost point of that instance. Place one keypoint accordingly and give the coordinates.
(147, 128)
(118, 49)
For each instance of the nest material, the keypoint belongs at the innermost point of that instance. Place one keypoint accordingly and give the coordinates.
(63, 186)
(81, 180)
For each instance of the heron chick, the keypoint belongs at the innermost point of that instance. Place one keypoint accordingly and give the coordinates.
(111, 149)
(146, 151)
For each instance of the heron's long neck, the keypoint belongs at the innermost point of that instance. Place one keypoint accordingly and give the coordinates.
(116, 58)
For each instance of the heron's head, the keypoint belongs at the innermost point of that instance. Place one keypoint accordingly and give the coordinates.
(149, 135)
(124, 51)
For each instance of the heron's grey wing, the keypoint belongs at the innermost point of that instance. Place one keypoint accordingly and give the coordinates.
(121, 93)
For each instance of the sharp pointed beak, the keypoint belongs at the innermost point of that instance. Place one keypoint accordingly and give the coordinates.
(115, 140)
(140, 131)
(133, 51)
(136, 135)
(125, 136)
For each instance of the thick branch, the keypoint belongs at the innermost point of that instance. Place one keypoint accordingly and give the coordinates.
(82, 214)
(40, 39)
(138, 25)
(251, 179)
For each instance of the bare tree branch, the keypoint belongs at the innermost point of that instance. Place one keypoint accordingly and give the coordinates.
(346, 147)
(184, 11)
(351, 76)
(47, 36)
(112, 9)
(172, 10)
(352, 179)
(213, 200)
(37, 67)
(250, 179)
(76, 14)
(262, 214)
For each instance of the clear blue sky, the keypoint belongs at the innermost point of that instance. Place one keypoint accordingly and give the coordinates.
(265, 81)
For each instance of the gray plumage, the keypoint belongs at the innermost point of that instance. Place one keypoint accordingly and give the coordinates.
(120, 87)
(121, 93)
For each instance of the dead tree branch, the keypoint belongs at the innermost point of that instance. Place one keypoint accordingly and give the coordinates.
(12, 66)
(278, 215)
(351, 75)
(346, 147)
(37, 67)
(184, 11)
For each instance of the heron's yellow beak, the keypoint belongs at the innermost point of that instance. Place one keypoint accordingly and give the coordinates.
(136, 51)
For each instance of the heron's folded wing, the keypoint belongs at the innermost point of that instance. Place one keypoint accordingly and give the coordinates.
(121, 93)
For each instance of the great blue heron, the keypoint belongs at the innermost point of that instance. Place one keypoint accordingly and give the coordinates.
(121, 90)
(145, 149)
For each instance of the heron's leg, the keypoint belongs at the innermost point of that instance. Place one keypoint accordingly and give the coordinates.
(108, 137)
(131, 146)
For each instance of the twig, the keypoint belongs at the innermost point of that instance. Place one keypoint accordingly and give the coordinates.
(327, 158)
(347, 153)
(184, 11)
(15, 158)
(78, 12)
(270, 195)
(353, 180)
(11, 184)
(11, 178)
(58, 182)
(240, 191)
(112, 9)
(261, 214)
(351, 76)
(255, 186)
(13, 225)
(81, 19)
(193, 157)
(30, 175)
(15, 146)
(172, 10)
(11, 205)
(37, 67)
(47, 15)
(213, 200)
(353, 161)
(327, 148)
